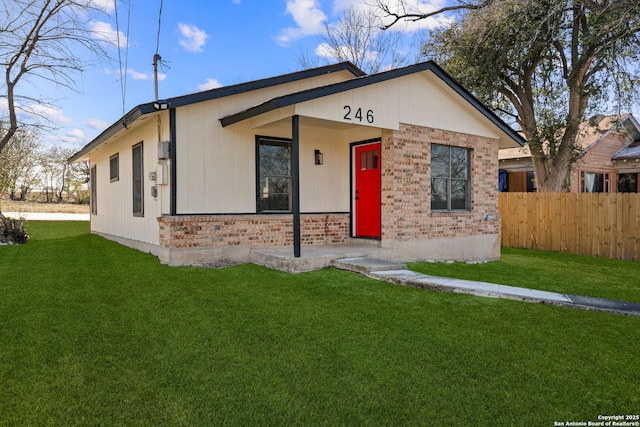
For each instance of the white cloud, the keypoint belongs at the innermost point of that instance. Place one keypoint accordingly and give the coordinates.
(103, 31)
(105, 5)
(325, 51)
(210, 84)
(309, 18)
(138, 75)
(97, 124)
(48, 112)
(38, 111)
(193, 38)
(75, 134)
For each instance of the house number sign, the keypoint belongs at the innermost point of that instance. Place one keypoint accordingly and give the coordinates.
(357, 114)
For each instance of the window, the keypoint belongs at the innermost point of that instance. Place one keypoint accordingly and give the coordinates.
(138, 181)
(94, 190)
(592, 182)
(628, 183)
(114, 167)
(273, 174)
(450, 178)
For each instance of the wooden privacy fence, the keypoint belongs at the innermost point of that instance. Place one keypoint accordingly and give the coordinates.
(598, 224)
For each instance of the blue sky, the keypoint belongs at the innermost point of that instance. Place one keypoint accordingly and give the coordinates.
(205, 44)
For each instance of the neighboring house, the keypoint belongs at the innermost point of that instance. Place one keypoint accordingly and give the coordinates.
(406, 160)
(608, 161)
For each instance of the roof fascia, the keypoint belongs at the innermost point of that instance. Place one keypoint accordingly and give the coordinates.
(264, 83)
(311, 94)
(143, 109)
(633, 128)
(123, 123)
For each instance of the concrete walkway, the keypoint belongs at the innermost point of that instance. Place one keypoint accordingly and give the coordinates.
(398, 273)
(42, 216)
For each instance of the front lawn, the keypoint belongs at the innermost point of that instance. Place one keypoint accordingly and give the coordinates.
(549, 271)
(94, 333)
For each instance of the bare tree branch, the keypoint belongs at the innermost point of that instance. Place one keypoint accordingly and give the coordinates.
(412, 14)
(40, 41)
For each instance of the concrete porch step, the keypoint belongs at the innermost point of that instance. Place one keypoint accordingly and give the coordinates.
(367, 265)
(313, 257)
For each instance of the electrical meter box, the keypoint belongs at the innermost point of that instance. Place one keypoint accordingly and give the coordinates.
(163, 150)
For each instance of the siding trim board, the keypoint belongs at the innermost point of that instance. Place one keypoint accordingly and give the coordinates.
(173, 171)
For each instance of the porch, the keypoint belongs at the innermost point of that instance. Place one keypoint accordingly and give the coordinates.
(315, 257)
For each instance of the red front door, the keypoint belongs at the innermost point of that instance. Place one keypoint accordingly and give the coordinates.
(367, 190)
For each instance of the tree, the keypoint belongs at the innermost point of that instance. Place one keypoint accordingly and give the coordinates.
(358, 38)
(57, 174)
(17, 164)
(542, 64)
(40, 41)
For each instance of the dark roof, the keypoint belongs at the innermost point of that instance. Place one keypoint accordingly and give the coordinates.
(310, 94)
(221, 92)
(630, 152)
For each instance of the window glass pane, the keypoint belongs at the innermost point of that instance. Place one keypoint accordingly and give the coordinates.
(274, 164)
(114, 167)
(363, 160)
(94, 190)
(459, 192)
(459, 163)
(274, 160)
(531, 181)
(375, 159)
(628, 183)
(138, 182)
(450, 178)
(439, 194)
(439, 161)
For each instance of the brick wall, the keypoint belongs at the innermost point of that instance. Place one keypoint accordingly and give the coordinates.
(406, 186)
(256, 231)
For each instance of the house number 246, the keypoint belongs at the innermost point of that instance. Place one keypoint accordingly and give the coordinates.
(368, 116)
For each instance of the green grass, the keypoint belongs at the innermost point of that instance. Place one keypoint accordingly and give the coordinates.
(549, 271)
(93, 333)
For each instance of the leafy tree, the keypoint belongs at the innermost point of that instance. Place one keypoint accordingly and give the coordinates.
(544, 64)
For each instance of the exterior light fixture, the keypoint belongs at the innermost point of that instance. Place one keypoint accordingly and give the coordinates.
(319, 157)
(161, 105)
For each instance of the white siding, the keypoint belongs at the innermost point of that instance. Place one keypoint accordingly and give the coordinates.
(216, 166)
(418, 99)
(115, 199)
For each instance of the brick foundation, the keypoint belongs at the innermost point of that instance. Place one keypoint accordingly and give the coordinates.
(254, 231)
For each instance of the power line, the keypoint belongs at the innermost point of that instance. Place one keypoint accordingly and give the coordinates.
(157, 59)
(115, 3)
(126, 56)
(159, 22)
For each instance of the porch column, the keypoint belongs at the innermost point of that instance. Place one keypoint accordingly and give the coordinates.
(295, 182)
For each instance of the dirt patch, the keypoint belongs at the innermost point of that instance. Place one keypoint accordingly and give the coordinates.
(12, 206)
